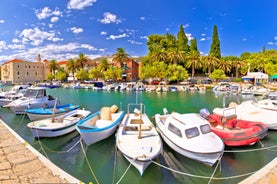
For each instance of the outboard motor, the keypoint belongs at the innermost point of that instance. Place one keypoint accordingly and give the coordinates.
(165, 111)
(204, 113)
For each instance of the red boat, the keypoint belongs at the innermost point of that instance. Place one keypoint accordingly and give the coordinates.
(233, 131)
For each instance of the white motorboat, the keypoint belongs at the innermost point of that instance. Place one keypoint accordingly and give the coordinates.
(14, 93)
(34, 97)
(137, 138)
(250, 111)
(57, 126)
(259, 90)
(269, 101)
(99, 125)
(190, 135)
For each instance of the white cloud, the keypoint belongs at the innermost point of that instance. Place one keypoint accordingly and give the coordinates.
(142, 18)
(135, 42)
(275, 38)
(103, 33)
(76, 30)
(2, 45)
(47, 12)
(189, 36)
(15, 40)
(202, 39)
(2, 21)
(109, 18)
(79, 4)
(114, 37)
(54, 19)
(36, 36)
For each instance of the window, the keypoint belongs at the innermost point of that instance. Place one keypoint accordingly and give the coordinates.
(18, 73)
(192, 132)
(205, 129)
(17, 66)
(175, 130)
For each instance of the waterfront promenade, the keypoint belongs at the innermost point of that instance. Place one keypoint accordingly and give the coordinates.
(21, 163)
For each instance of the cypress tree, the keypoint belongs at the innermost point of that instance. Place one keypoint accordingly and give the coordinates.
(193, 45)
(215, 47)
(182, 40)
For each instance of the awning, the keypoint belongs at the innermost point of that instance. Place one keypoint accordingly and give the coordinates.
(273, 76)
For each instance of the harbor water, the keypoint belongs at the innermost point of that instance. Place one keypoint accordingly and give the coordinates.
(103, 163)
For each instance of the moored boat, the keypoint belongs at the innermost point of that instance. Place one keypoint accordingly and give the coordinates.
(99, 125)
(57, 126)
(34, 97)
(233, 131)
(42, 113)
(137, 138)
(190, 135)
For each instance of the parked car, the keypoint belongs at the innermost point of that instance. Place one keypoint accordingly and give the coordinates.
(155, 82)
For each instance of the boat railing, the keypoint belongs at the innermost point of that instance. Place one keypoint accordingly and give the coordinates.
(229, 113)
(135, 107)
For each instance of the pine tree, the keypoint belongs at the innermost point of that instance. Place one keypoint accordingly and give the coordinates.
(193, 45)
(182, 40)
(215, 47)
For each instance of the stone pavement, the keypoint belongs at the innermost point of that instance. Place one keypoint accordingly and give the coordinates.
(21, 163)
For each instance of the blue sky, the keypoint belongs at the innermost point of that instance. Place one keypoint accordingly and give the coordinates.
(61, 29)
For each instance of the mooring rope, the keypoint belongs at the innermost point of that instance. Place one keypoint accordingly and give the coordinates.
(114, 165)
(250, 150)
(89, 165)
(218, 162)
(203, 177)
(66, 151)
(124, 173)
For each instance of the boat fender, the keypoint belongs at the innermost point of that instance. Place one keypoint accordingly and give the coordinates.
(136, 111)
(165, 111)
(205, 113)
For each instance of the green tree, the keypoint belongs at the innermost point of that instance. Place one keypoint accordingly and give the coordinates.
(82, 75)
(182, 40)
(113, 73)
(217, 74)
(215, 46)
(53, 67)
(50, 76)
(96, 73)
(271, 69)
(176, 73)
(61, 75)
(209, 63)
(120, 56)
(81, 61)
(71, 67)
(104, 64)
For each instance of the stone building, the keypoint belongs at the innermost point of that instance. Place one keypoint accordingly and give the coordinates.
(18, 71)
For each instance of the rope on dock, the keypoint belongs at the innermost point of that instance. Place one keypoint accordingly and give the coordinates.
(89, 165)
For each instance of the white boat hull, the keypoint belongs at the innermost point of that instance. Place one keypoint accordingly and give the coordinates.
(96, 133)
(139, 151)
(61, 125)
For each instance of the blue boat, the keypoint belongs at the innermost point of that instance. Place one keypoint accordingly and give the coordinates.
(42, 113)
(100, 125)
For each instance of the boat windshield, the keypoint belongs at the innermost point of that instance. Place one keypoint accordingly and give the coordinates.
(174, 130)
(34, 93)
(192, 132)
(205, 129)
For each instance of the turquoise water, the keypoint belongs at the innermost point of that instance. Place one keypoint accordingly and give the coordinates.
(102, 163)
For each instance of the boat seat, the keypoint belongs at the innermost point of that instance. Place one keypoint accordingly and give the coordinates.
(103, 123)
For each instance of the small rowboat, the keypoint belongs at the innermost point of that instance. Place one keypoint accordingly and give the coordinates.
(57, 126)
(42, 113)
(137, 139)
(99, 125)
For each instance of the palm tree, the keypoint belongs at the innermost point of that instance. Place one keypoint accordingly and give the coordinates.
(160, 55)
(209, 62)
(174, 56)
(53, 67)
(81, 61)
(71, 67)
(225, 64)
(120, 56)
(193, 61)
